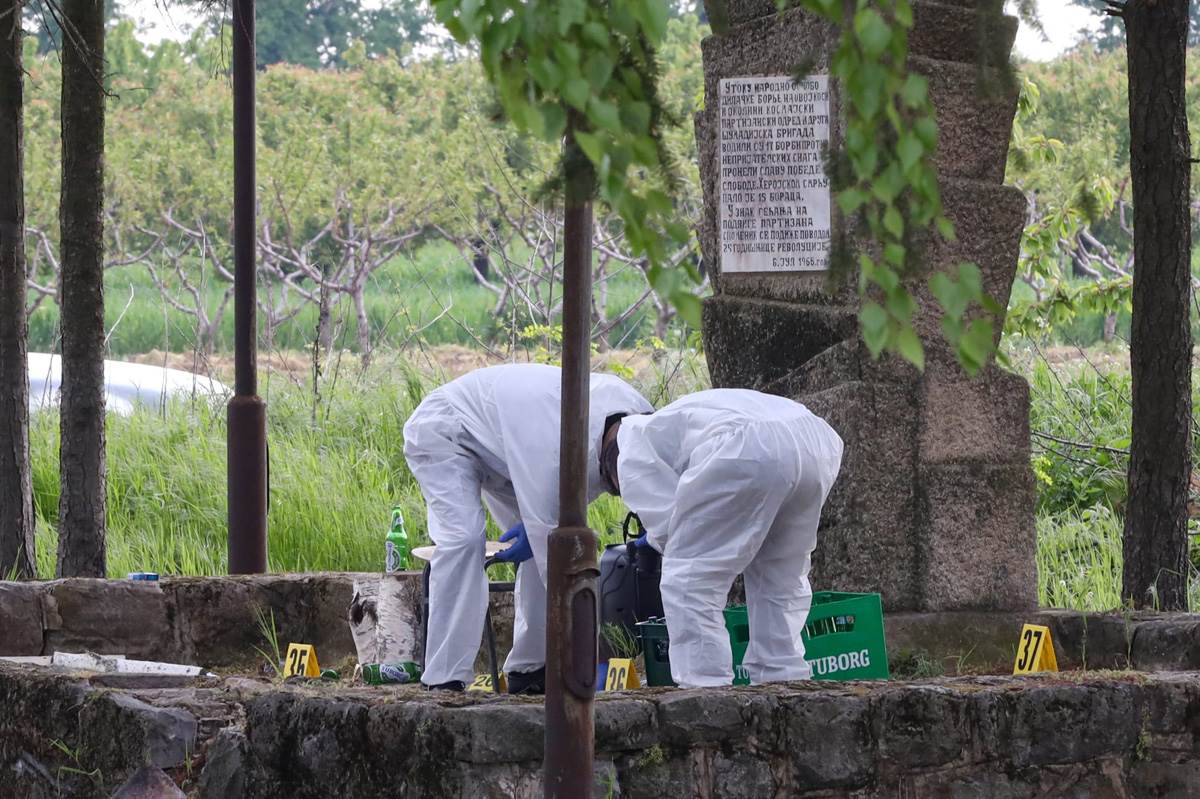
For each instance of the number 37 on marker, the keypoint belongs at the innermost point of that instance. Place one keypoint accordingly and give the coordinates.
(1035, 651)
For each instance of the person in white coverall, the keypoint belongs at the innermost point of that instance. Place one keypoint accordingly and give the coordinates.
(728, 482)
(494, 433)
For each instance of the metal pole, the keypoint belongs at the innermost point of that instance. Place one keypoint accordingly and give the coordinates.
(571, 606)
(247, 413)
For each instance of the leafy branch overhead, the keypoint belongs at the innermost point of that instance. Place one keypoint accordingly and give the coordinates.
(886, 182)
(587, 70)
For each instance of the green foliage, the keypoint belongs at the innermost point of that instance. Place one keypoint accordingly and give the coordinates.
(319, 33)
(381, 136)
(336, 473)
(916, 664)
(887, 184)
(1070, 154)
(166, 482)
(621, 642)
(588, 70)
(351, 147)
(1071, 190)
(1080, 419)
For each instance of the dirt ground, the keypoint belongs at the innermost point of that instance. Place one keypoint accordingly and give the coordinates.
(445, 362)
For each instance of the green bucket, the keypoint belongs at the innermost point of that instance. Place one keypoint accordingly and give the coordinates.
(843, 640)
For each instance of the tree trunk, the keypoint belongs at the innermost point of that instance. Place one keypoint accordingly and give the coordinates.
(364, 325)
(479, 259)
(1110, 328)
(81, 507)
(16, 491)
(600, 305)
(1156, 540)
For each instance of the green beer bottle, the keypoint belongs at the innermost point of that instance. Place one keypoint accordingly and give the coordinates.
(388, 673)
(397, 543)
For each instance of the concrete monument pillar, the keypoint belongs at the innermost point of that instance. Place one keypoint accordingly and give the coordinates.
(934, 505)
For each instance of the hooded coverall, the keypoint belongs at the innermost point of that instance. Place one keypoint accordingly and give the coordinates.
(731, 482)
(494, 433)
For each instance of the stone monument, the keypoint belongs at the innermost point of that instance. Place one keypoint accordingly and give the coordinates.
(934, 504)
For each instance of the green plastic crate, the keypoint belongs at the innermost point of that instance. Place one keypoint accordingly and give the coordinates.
(656, 646)
(843, 640)
(843, 637)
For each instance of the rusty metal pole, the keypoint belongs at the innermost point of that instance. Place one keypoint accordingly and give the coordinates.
(571, 607)
(247, 413)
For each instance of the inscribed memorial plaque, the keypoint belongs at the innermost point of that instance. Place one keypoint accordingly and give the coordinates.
(774, 191)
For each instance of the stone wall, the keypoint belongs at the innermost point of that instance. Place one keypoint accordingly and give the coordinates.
(212, 622)
(208, 621)
(934, 505)
(1103, 734)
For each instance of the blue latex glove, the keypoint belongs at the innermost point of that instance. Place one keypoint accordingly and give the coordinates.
(520, 550)
(641, 541)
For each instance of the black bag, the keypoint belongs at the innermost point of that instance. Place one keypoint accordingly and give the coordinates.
(628, 585)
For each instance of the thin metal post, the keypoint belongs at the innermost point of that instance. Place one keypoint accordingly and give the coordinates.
(247, 413)
(571, 607)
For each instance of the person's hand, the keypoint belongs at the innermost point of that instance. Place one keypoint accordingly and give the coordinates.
(641, 541)
(519, 550)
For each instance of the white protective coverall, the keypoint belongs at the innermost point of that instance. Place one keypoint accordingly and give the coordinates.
(730, 482)
(495, 433)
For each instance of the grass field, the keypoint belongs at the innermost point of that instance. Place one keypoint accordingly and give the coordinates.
(440, 298)
(337, 467)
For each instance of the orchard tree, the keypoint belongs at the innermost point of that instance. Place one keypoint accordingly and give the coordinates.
(1070, 155)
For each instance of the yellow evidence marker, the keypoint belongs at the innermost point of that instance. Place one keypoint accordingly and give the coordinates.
(301, 661)
(1035, 651)
(483, 682)
(621, 675)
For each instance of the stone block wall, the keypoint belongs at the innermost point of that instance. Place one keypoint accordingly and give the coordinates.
(208, 621)
(934, 505)
(1097, 735)
(988, 737)
(1103, 737)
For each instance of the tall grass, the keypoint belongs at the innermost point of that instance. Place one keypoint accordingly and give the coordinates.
(333, 480)
(1080, 417)
(1079, 560)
